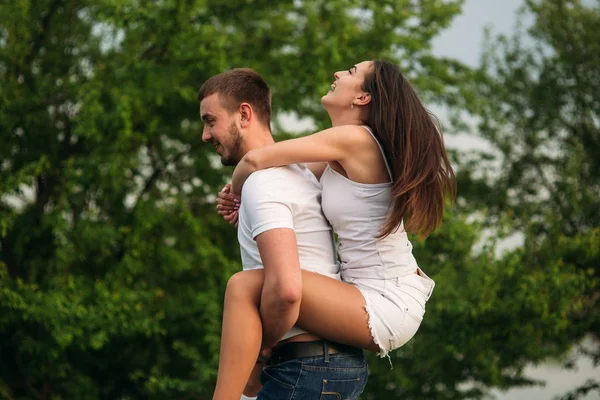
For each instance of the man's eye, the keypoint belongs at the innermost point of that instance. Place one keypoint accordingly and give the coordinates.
(350, 71)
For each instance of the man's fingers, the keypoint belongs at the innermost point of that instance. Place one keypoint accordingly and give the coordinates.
(265, 355)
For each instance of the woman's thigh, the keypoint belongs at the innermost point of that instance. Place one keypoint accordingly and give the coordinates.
(334, 310)
(330, 309)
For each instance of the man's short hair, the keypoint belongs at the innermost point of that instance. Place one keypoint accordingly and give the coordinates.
(237, 86)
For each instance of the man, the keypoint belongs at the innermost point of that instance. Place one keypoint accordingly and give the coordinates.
(281, 229)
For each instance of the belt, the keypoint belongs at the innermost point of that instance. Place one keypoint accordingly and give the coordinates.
(293, 350)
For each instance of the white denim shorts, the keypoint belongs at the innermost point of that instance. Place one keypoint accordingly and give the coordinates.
(395, 307)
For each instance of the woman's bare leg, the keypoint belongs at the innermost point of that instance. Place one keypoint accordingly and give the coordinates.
(241, 334)
(324, 300)
(253, 386)
(335, 311)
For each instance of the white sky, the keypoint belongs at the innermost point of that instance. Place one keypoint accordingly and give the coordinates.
(464, 41)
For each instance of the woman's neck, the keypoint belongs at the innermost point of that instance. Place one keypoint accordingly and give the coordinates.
(348, 116)
(346, 120)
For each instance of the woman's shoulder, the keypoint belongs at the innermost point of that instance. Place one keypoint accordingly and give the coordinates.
(358, 130)
(352, 134)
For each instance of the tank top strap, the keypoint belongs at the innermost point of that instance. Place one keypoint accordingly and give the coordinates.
(387, 166)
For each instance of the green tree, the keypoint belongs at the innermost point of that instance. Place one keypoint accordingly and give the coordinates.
(112, 260)
(538, 107)
(487, 319)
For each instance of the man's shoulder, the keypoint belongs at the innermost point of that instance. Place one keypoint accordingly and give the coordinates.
(290, 176)
(270, 174)
(292, 184)
(277, 172)
(266, 184)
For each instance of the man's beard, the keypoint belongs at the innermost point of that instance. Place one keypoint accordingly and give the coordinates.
(234, 153)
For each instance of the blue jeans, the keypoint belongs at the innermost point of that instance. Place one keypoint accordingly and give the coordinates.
(331, 377)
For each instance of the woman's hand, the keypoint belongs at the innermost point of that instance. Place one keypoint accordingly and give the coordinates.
(228, 205)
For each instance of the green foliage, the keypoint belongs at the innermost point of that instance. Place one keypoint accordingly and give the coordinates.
(536, 98)
(539, 110)
(112, 259)
(487, 319)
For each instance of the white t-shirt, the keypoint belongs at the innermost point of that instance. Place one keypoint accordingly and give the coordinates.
(287, 197)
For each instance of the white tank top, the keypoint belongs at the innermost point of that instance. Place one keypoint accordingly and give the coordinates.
(357, 212)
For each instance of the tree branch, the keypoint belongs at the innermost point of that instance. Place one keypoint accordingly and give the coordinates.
(37, 42)
(158, 170)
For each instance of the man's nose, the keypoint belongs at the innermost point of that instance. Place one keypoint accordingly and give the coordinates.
(337, 74)
(205, 135)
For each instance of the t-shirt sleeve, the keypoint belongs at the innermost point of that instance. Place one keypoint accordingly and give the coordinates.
(266, 203)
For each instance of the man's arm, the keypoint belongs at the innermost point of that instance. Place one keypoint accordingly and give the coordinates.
(282, 290)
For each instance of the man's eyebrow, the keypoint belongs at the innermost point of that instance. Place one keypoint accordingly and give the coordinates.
(355, 68)
(205, 117)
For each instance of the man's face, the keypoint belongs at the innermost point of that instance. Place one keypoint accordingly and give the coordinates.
(221, 130)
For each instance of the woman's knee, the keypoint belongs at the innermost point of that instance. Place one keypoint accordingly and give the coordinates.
(236, 285)
(243, 285)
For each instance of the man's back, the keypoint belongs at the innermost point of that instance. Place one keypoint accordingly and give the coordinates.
(287, 197)
(290, 198)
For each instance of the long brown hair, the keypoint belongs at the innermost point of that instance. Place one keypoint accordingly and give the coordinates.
(414, 147)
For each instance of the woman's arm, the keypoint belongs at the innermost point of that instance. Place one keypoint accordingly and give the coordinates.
(334, 144)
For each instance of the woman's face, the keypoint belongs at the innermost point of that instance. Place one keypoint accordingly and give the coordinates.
(347, 85)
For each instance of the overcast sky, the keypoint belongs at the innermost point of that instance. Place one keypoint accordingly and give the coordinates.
(463, 41)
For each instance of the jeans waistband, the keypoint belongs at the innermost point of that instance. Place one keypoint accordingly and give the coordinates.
(294, 350)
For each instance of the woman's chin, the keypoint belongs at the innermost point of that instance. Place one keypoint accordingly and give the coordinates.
(326, 99)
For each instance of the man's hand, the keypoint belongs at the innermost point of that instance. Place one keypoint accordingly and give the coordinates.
(265, 356)
(228, 205)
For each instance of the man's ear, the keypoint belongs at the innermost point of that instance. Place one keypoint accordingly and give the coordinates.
(246, 114)
(363, 99)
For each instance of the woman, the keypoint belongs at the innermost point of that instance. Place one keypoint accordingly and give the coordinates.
(383, 168)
